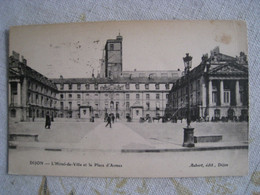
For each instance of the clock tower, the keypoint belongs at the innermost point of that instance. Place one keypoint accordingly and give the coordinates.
(112, 67)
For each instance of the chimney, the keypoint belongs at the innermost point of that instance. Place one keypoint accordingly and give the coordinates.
(93, 76)
(24, 61)
(16, 55)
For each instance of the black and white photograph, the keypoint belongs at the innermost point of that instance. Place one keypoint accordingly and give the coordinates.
(129, 99)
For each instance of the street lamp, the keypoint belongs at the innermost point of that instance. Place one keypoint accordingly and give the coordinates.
(188, 140)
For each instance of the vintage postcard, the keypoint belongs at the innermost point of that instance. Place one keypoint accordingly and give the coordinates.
(129, 99)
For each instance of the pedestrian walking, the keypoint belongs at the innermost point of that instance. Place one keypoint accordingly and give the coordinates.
(113, 118)
(47, 121)
(109, 121)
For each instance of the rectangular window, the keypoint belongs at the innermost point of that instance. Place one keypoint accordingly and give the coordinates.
(96, 86)
(157, 96)
(137, 86)
(157, 86)
(78, 96)
(111, 46)
(87, 86)
(167, 96)
(87, 94)
(214, 97)
(61, 96)
(147, 96)
(70, 105)
(78, 86)
(146, 86)
(61, 86)
(167, 86)
(70, 95)
(127, 105)
(70, 86)
(147, 105)
(127, 86)
(96, 94)
(226, 96)
(138, 96)
(127, 96)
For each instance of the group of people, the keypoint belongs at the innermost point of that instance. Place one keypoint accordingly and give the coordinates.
(110, 119)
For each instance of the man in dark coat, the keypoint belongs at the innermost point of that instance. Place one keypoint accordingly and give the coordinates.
(47, 121)
(113, 118)
(108, 121)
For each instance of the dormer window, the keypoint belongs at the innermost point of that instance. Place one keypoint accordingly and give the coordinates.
(87, 86)
(96, 86)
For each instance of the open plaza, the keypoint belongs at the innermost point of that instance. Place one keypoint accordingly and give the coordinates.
(84, 148)
(123, 135)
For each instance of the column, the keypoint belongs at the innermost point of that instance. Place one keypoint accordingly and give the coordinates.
(221, 92)
(210, 92)
(9, 93)
(203, 98)
(18, 93)
(238, 102)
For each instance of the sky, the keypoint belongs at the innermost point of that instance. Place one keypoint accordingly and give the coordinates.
(75, 50)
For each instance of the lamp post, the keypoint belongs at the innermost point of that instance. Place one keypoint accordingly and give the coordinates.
(188, 140)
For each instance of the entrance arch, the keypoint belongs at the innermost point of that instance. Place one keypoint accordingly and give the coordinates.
(231, 114)
(111, 105)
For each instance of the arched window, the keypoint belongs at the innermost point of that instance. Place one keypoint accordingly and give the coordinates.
(111, 105)
(230, 113)
(217, 113)
(13, 113)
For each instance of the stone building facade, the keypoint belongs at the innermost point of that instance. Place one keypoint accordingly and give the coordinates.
(122, 93)
(218, 89)
(124, 96)
(31, 95)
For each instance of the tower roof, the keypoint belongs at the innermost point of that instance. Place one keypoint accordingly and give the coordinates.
(119, 37)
